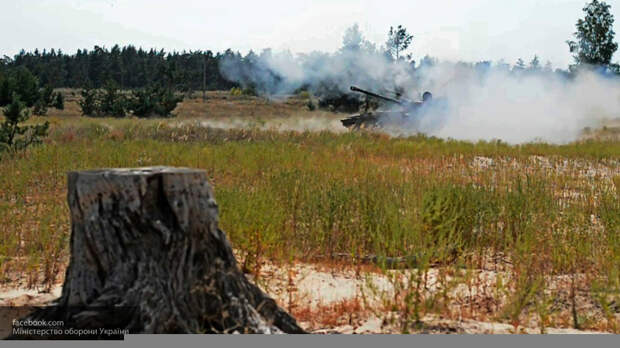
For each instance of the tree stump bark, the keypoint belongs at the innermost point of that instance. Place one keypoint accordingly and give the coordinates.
(148, 239)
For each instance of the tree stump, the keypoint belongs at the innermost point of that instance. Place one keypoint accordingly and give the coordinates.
(148, 239)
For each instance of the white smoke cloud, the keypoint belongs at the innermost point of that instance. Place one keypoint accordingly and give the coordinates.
(518, 108)
(477, 104)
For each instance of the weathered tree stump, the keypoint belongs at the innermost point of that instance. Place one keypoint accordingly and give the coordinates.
(148, 239)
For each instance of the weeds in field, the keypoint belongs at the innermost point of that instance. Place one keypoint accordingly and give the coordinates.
(545, 212)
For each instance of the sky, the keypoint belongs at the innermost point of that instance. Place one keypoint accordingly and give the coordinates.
(471, 30)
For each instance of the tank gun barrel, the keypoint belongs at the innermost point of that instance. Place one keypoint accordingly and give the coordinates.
(357, 89)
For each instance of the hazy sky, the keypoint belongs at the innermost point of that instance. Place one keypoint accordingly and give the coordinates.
(469, 30)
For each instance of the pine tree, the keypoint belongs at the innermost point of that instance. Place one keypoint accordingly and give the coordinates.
(59, 101)
(153, 101)
(535, 64)
(7, 85)
(14, 137)
(595, 36)
(47, 95)
(26, 86)
(398, 41)
(88, 103)
(40, 108)
(353, 39)
(112, 101)
(167, 102)
(142, 102)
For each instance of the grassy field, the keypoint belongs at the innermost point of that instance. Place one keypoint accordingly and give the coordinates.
(544, 218)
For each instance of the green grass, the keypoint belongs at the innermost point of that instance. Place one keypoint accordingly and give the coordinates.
(291, 196)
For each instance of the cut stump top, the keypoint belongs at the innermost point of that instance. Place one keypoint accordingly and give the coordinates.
(139, 171)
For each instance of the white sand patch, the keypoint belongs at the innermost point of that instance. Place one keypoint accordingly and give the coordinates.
(21, 296)
(312, 285)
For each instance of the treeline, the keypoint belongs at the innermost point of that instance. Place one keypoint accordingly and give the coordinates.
(327, 76)
(129, 67)
(132, 68)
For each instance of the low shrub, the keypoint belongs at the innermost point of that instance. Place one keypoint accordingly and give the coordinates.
(13, 136)
(145, 102)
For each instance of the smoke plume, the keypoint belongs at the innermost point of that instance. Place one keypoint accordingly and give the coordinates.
(479, 101)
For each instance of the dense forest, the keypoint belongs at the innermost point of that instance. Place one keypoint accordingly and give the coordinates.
(128, 66)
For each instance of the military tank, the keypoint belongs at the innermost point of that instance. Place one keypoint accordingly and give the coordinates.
(402, 112)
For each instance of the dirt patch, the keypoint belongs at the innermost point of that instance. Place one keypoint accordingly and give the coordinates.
(340, 300)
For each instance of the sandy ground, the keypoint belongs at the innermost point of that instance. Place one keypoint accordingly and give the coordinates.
(310, 291)
(28, 297)
(317, 288)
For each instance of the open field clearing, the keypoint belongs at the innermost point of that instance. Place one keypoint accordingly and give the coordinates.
(417, 234)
